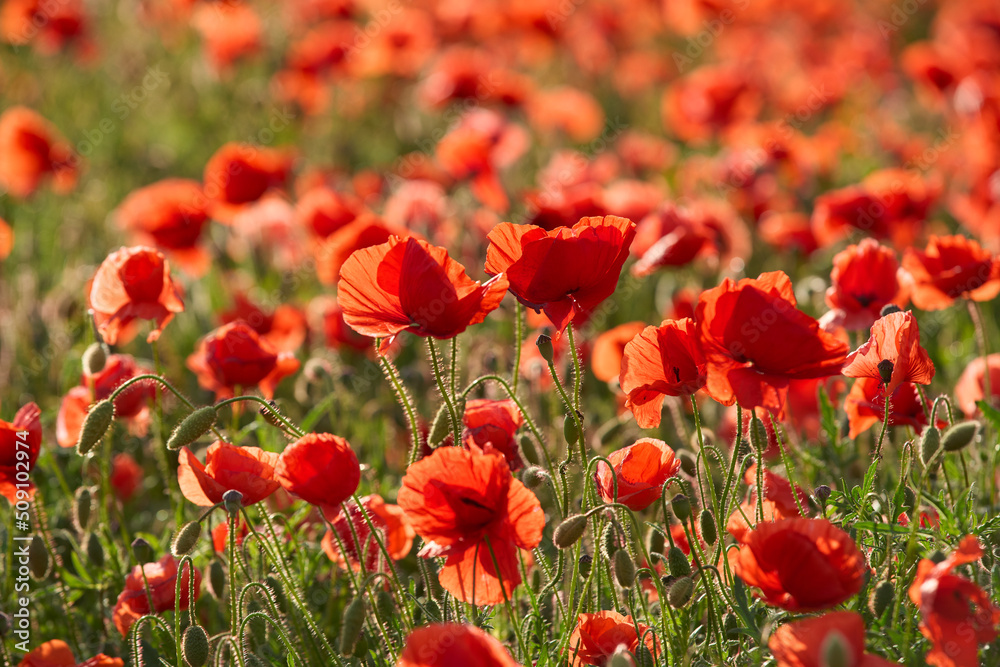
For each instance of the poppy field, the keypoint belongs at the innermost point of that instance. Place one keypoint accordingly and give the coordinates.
(454, 333)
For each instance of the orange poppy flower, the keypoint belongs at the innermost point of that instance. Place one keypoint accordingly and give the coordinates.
(235, 356)
(57, 653)
(400, 48)
(364, 232)
(596, 637)
(893, 354)
(774, 344)
(170, 215)
(20, 443)
(249, 470)
(778, 502)
(659, 362)
(240, 174)
(284, 328)
(132, 405)
(467, 507)
(319, 468)
(949, 268)
(494, 423)
(956, 614)
(323, 210)
(390, 521)
(801, 643)
(133, 284)
(865, 406)
(800, 564)
(448, 644)
(133, 602)
(126, 476)
(707, 100)
(865, 278)
(566, 109)
(49, 27)
(230, 31)
(609, 350)
(969, 388)
(30, 150)
(566, 272)
(641, 470)
(410, 285)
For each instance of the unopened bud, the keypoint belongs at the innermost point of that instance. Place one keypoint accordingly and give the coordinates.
(195, 425)
(621, 658)
(185, 539)
(959, 436)
(570, 430)
(569, 531)
(95, 425)
(533, 477)
(706, 522)
(586, 564)
(930, 445)
(216, 579)
(881, 598)
(609, 542)
(758, 434)
(677, 562)
(688, 463)
(655, 543)
(822, 493)
(624, 569)
(142, 551)
(83, 505)
(680, 592)
(440, 427)
(233, 501)
(835, 651)
(354, 621)
(385, 605)
(194, 646)
(94, 358)
(681, 507)
(889, 309)
(544, 344)
(38, 558)
(95, 550)
(529, 450)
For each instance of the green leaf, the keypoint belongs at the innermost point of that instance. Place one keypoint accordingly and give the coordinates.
(991, 414)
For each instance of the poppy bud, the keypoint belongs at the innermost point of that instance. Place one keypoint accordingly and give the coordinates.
(95, 550)
(620, 658)
(655, 543)
(959, 436)
(529, 450)
(569, 531)
(688, 463)
(570, 431)
(677, 562)
(609, 541)
(758, 434)
(707, 524)
(822, 493)
(681, 507)
(38, 557)
(680, 592)
(586, 564)
(95, 425)
(270, 413)
(233, 501)
(533, 477)
(889, 309)
(624, 568)
(544, 344)
(216, 579)
(643, 657)
(82, 508)
(142, 551)
(354, 622)
(885, 368)
(930, 445)
(433, 610)
(385, 605)
(194, 646)
(440, 427)
(835, 651)
(909, 499)
(195, 425)
(185, 539)
(881, 598)
(94, 358)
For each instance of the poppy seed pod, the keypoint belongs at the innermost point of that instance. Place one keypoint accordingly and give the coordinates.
(688, 463)
(232, 500)
(888, 309)
(930, 445)
(681, 507)
(216, 579)
(95, 425)
(680, 592)
(586, 565)
(707, 524)
(677, 563)
(38, 558)
(570, 432)
(82, 508)
(195, 425)
(959, 436)
(835, 651)
(354, 622)
(142, 551)
(822, 493)
(440, 427)
(94, 358)
(569, 531)
(885, 368)
(881, 598)
(624, 569)
(95, 550)
(545, 348)
(194, 646)
(185, 539)
(533, 477)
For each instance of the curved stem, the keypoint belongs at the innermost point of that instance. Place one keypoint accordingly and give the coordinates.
(295, 430)
(389, 369)
(439, 378)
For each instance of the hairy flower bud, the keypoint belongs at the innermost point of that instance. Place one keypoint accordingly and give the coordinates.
(195, 425)
(95, 425)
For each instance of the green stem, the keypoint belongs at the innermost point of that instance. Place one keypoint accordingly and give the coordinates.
(439, 379)
(389, 369)
(518, 342)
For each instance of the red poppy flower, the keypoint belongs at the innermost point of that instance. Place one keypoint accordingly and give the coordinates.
(412, 285)
(596, 637)
(57, 653)
(641, 469)
(327, 316)
(609, 350)
(170, 215)
(865, 406)
(756, 341)
(659, 362)
(133, 284)
(778, 502)
(451, 644)
(707, 100)
(390, 521)
(949, 268)
(126, 476)
(956, 614)
(323, 210)
(6, 239)
(284, 328)
(50, 28)
(494, 423)
(568, 271)
(249, 470)
(895, 339)
(319, 468)
(800, 564)
(673, 236)
(364, 232)
(566, 109)
(240, 174)
(468, 508)
(132, 405)
(969, 388)
(401, 48)
(787, 232)
(865, 278)
(235, 356)
(30, 150)
(20, 443)
(133, 602)
(802, 643)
